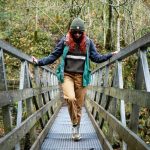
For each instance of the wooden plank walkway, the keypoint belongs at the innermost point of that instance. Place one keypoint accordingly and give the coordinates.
(59, 136)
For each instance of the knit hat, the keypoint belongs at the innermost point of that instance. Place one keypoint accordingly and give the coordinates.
(77, 24)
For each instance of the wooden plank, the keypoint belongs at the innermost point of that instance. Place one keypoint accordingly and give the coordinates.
(45, 83)
(29, 104)
(45, 95)
(100, 84)
(37, 144)
(105, 84)
(49, 83)
(12, 96)
(127, 51)
(102, 138)
(99, 95)
(39, 97)
(145, 68)
(29, 109)
(93, 110)
(122, 104)
(3, 83)
(6, 112)
(105, 100)
(135, 108)
(22, 84)
(132, 140)
(9, 141)
(100, 73)
(52, 83)
(120, 85)
(113, 107)
(94, 93)
(50, 92)
(141, 98)
(142, 75)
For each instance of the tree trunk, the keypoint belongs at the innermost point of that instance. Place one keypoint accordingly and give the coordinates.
(109, 31)
(104, 25)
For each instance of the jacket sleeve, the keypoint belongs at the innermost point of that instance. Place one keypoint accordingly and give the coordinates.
(58, 51)
(95, 56)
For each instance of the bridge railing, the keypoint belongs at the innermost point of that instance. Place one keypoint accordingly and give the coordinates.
(28, 111)
(107, 100)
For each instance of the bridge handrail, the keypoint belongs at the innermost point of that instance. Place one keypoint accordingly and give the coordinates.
(37, 96)
(9, 49)
(142, 43)
(132, 140)
(10, 139)
(106, 91)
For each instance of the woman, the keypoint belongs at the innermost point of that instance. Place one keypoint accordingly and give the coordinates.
(74, 70)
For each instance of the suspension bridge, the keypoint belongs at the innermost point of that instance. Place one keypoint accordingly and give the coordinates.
(42, 121)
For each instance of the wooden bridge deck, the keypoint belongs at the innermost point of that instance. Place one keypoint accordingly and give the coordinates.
(59, 136)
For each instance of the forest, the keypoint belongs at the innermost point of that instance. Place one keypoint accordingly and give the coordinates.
(35, 26)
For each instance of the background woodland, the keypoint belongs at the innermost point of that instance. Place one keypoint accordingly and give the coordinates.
(35, 26)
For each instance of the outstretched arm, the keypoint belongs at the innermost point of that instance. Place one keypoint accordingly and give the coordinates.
(53, 56)
(96, 57)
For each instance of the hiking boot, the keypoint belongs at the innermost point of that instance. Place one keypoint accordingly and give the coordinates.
(75, 133)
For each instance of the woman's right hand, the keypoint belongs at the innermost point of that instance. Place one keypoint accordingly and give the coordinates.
(35, 60)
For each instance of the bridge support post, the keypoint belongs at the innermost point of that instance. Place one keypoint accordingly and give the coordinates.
(45, 95)
(122, 103)
(95, 94)
(99, 95)
(142, 74)
(24, 83)
(104, 100)
(117, 82)
(6, 111)
(39, 101)
(30, 136)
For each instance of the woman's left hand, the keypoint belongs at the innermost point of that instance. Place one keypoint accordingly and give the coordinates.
(115, 52)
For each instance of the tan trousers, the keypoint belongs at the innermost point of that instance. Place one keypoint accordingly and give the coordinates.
(74, 94)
